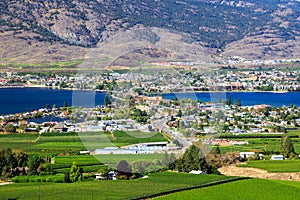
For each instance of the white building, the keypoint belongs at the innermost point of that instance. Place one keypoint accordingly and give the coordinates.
(277, 157)
(247, 154)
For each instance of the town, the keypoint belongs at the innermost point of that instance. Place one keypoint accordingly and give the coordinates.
(151, 121)
(190, 79)
(134, 102)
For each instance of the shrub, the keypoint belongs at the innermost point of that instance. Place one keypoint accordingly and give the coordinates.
(67, 177)
(122, 177)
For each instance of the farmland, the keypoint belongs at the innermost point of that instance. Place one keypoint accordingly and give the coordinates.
(243, 189)
(156, 183)
(275, 165)
(260, 144)
(112, 159)
(72, 143)
(64, 148)
(134, 137)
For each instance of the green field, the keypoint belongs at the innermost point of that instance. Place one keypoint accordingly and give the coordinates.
(57, 178)
(65, 147)
(261, 144)
(133, 137)
(72, 143)
(244, 189)
(137, 188)
(82, 160)
(275, 165)
(111, 159)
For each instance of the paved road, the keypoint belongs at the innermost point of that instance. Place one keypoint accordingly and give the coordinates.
(176, 135)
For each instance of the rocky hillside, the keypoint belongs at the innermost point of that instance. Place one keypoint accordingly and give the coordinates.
(42, 30)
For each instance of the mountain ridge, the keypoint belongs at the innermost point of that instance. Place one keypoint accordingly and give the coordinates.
(221, 26)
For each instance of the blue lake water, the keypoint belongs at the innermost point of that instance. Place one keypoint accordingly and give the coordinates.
(47, 119)
(16, 100)
(247, 98)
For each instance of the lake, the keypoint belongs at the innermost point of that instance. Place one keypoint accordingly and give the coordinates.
(247, 98)
(16, 100)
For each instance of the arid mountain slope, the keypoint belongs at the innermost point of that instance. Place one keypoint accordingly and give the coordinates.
(42, 30)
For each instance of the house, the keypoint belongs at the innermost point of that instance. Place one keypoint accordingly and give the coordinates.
(277, 157)
(246, 155)
(84, 152)
(59, 128)
(99, 177)
(261, 156)
(197, 172)
(112, 175)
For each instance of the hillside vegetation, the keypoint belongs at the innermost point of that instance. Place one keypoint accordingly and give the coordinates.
(268, 28)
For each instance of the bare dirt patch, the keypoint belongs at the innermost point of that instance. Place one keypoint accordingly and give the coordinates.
(232, 170)
(5, 183)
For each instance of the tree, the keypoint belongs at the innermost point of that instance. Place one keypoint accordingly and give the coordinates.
(75, 172)
(217, 150)
(139, 115)
(124, 169)
(107, 100)
(44, 167)
(287, 147)
(225, 128)
(65, 104)
(9, 128)
(179, 165)
(165, 161)
(238, 102)
(191, 159)
(10, 159)
(47, 106)
(54, 106)
(201, 127)
(33, 163)
(172, 161)
(267, 111)
(229, 101)
(4, 172)
(179, 114)
(21, 158)
(67, 177)
(100, 87)
(22, 127)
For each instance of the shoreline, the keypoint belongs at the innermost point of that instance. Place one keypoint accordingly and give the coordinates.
(104, 92)
(230, 91)
(52, 88)
(166, 92)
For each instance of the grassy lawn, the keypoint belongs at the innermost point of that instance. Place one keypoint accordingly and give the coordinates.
(243, 189)
(155, 184)
(275, 165)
